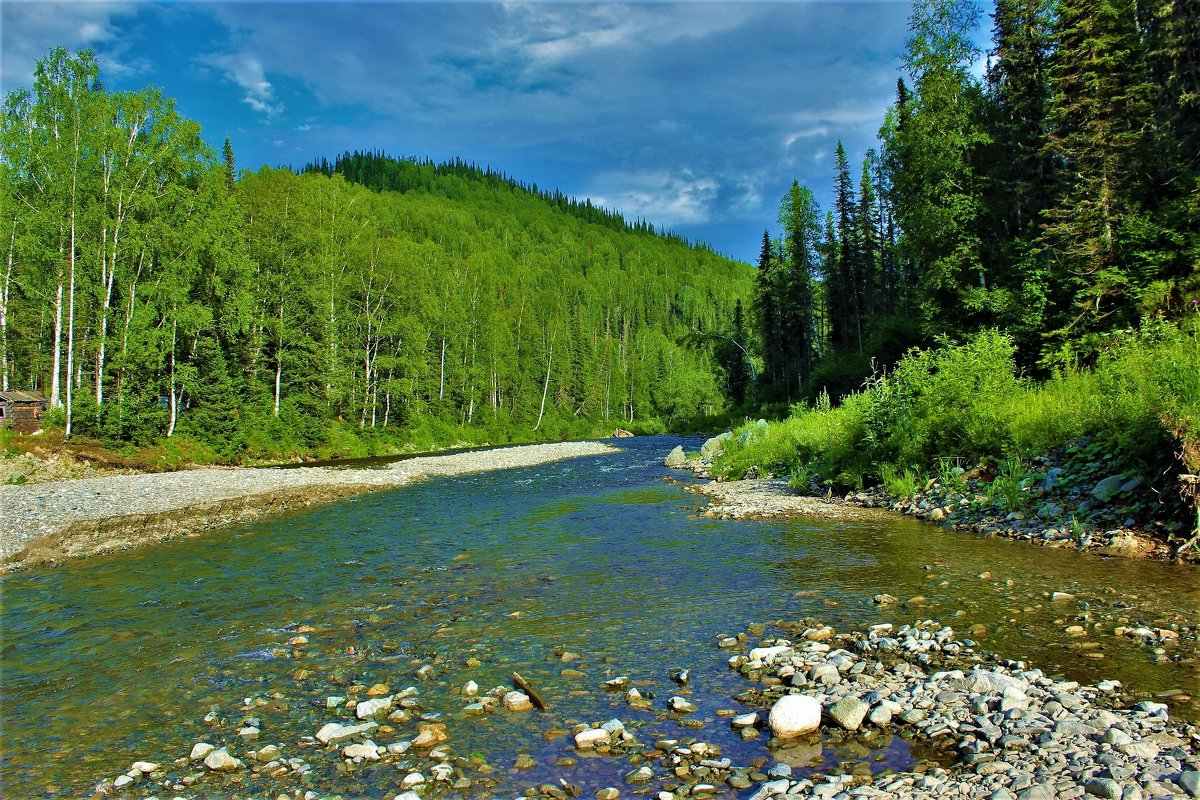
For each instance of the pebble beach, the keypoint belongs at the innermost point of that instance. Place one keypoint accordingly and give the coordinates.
(49, 522)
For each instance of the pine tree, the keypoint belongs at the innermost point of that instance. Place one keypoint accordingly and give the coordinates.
(230, 172)
(1099, 114)
(843, 288)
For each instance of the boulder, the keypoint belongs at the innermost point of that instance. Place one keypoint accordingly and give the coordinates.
(676, 458)
(714, 446)
(795, 715)
(589, 739)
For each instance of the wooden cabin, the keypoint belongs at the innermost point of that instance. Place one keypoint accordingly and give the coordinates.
(22, 411)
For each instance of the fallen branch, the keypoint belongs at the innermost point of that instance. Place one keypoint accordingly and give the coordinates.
(534, 697)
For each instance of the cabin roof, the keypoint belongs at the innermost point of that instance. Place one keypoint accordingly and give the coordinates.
(21, 397)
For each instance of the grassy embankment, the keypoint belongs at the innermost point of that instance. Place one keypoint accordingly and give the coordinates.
(962, 412)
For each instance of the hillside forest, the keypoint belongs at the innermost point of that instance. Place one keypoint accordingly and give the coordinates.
(154, 293)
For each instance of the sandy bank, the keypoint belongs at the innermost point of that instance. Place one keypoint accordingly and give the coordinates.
(50, 522)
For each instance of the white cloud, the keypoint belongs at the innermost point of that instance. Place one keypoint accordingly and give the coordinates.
(664, 198)
(29, 30)
(247, 72)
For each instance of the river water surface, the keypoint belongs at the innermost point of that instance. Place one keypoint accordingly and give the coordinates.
(119, 658)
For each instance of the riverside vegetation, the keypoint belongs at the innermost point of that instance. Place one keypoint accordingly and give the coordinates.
(1001, 315)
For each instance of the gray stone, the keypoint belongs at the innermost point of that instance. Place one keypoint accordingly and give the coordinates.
(848, 712)
(1104, 788)
(676, 458)
(1116, 736)
(714, 446)
(1189, 782)
(1106, 489)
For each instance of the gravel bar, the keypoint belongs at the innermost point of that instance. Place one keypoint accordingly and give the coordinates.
(49, 522)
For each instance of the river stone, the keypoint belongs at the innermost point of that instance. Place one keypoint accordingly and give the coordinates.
(412, 779)
(200, 750)
(367, 750)
(848, 712)
(470, 688)
(267, 754)
(430, 735)
(517, 701)
(1104, 788)
(587, 740)
(676, 458)
(769, 654)
(1189, 782)
(745, 720)
(143, 766)
(370, 709)
(682, 706)
(795, 715)
(608, 793)
(221, 761)
(333, 732)
(880, 715)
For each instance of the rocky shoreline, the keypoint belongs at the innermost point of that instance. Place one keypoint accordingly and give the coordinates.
(46, 523)
(955, 507)
(989, 728)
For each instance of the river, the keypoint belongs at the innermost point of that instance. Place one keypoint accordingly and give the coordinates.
(604, 559)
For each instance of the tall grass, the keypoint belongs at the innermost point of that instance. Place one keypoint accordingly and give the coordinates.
(966, 402)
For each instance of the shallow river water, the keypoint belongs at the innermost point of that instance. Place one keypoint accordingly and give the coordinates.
(120, 658)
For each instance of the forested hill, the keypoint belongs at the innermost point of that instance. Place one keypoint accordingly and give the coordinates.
(452, 178)
(152, 292)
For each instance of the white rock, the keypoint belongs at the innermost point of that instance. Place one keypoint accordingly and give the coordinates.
(470, 688)
(795, 715)
(517, 701)
(333, 732)
(221, 761)
(367, 750)
(144, 766)
(587, 740)
(122, 781)
(769, 654)
(200, 750)
(745, 720)
(682, 706)
(369, 709)
(412, 779)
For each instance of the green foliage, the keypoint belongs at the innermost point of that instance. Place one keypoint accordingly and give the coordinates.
(1007, 485)
(944, 409)
(900, 483)
(347, 310)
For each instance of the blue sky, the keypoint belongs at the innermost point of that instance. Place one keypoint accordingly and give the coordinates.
(696, 116)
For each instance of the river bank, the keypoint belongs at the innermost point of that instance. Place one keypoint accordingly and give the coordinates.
(46, 523)
(957, 504)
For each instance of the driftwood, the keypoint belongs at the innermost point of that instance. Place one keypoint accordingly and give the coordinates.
(534, 697)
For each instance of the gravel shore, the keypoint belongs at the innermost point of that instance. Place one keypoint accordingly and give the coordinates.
(49, 522)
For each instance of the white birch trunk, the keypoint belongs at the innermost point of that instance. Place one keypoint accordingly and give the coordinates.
(545, 387)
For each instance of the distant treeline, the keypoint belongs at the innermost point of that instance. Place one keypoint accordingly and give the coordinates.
(152, 291)
(381, 172)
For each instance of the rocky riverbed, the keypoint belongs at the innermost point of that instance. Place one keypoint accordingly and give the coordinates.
(988, 728)
(49, 522)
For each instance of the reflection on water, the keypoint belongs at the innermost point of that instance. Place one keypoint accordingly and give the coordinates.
(570, 573)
